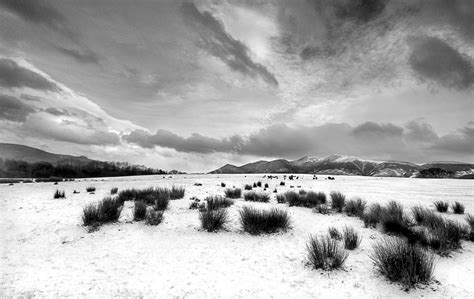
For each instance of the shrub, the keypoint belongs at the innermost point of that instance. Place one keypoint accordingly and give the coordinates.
(107, 210)
(59, 194)
(127, 194)
(254, 196)
(139, 211)
(247, 187)
(254, 185)
(402, 262)
(325, 253)
(194, 205)
(356, 207)
(282, 183)
(256, 221)
(217, 202)
(420, 214)
(394, 222)
(338, 201)
(446, 237)
(114, 190)
(301, 192)
(161, 202)
(154, 217)
(458, 208)
(259, 184)
(441, 206)
(233, 193)
(313, 199)
(334, 233)
(213, 220)
(352, 238)
(470, 222)
(322, 209)
(90, 189)
(292, 198)
(266, 185)
(177, 192)
(280, 198)
(373, 215)
(222, 185)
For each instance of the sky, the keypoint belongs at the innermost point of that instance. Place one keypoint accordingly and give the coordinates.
(194, 85)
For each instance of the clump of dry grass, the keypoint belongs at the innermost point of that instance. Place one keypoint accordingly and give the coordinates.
(325, 253)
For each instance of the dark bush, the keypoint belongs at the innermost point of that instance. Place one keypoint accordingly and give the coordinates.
(259, 184)
(254, 185)
(139, 211)
(59, 194)
(334, 233)
(352, 238)
(395, 223)
(458, 208)
(213, 220)
(266, 185)
(292, 198)
(470, 222)
(254, 196)
(90, 189)
(177, 192)
(114, 190)
(222, 185)
(107, 210)
(280, 198)
(338, 201)
(356, 207)
(256, 221)
(154, 217)
(402, 262)
(313, 199)
(373, 215)
(247, 187)
(282, 183)
(233, 193)
(441, 206)
(217, 202)
(301, 192)
(325, 253)
(322, 209)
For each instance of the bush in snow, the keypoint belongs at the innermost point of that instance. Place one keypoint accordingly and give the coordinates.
(213, 220)
(356, 207)
(256, 221)
(458, 208)
(441, 206)
(218, 202)
(59, 194)
(254, 196)
(325, 253)
(338, 201)
(153, 217)
(139, 211)
(352, 238)
(233, 193)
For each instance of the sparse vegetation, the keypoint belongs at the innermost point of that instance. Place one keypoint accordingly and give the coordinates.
(255, 221)
(139, 211)
(394, 220)
(154, 217)
(218, 202)
(254, 196)
(441, 206)
(247, 187)
(213, 220)
(309, 199)
(177, 192)
(372, 216)
(338, 201)
(352, 238)
(325, 253)
(280, 198)
(355, 207)
(233, 193)
(159, 197)
(458, 208)
(90, 189)
(107, 210)
(334, 233)
(114, 190)
(59, 194)
(322, 209)
(403, 262)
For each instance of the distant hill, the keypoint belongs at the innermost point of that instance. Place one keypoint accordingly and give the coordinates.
(9, 151)
(346, 165)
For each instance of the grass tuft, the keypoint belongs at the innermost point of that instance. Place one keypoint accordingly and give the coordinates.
(338, 201)
(355, 207)
(247, 187)
(114, 190)
(218, 202)
(403, 262)
(213, 220)
(90, 189)
(107, 210)
(458, 208)
(153, 217)
(352, 238)
(334, 233)
(441, 206)
(177, 192)
(258, 197)
(139, 211)
(233, 193)
(59, 194)
(325, 253)
(256, 221)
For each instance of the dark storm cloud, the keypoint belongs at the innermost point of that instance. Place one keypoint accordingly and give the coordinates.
(461, 142)
(13, 109)
(219, 43)
(372, 130)
(436, 60)
(459, 14)
(195, 143)
(82, 56)
(38, 12)
(420, 132)
(13, 75)
(360, 10)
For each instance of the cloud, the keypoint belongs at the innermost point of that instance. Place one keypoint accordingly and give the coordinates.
(13, 109)
(436, 60)
(82, 56)
(13, 75)
(372, 130)
(219, 43)
(360, 10)
(420, 132)
(460, 142)
(38, 12)
(195, 143)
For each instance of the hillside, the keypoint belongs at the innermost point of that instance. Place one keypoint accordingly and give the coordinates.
(346, 165)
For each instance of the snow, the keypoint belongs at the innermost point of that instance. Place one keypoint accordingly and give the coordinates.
(46, 252)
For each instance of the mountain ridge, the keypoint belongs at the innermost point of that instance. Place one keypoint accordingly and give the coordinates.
(347, 165)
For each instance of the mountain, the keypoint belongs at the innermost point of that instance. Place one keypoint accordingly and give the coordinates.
(346, 165)
(9, 151)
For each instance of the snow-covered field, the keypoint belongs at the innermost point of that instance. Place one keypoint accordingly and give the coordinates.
(46, 252)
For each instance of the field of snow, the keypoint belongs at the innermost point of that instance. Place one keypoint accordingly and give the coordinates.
(46, 252)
